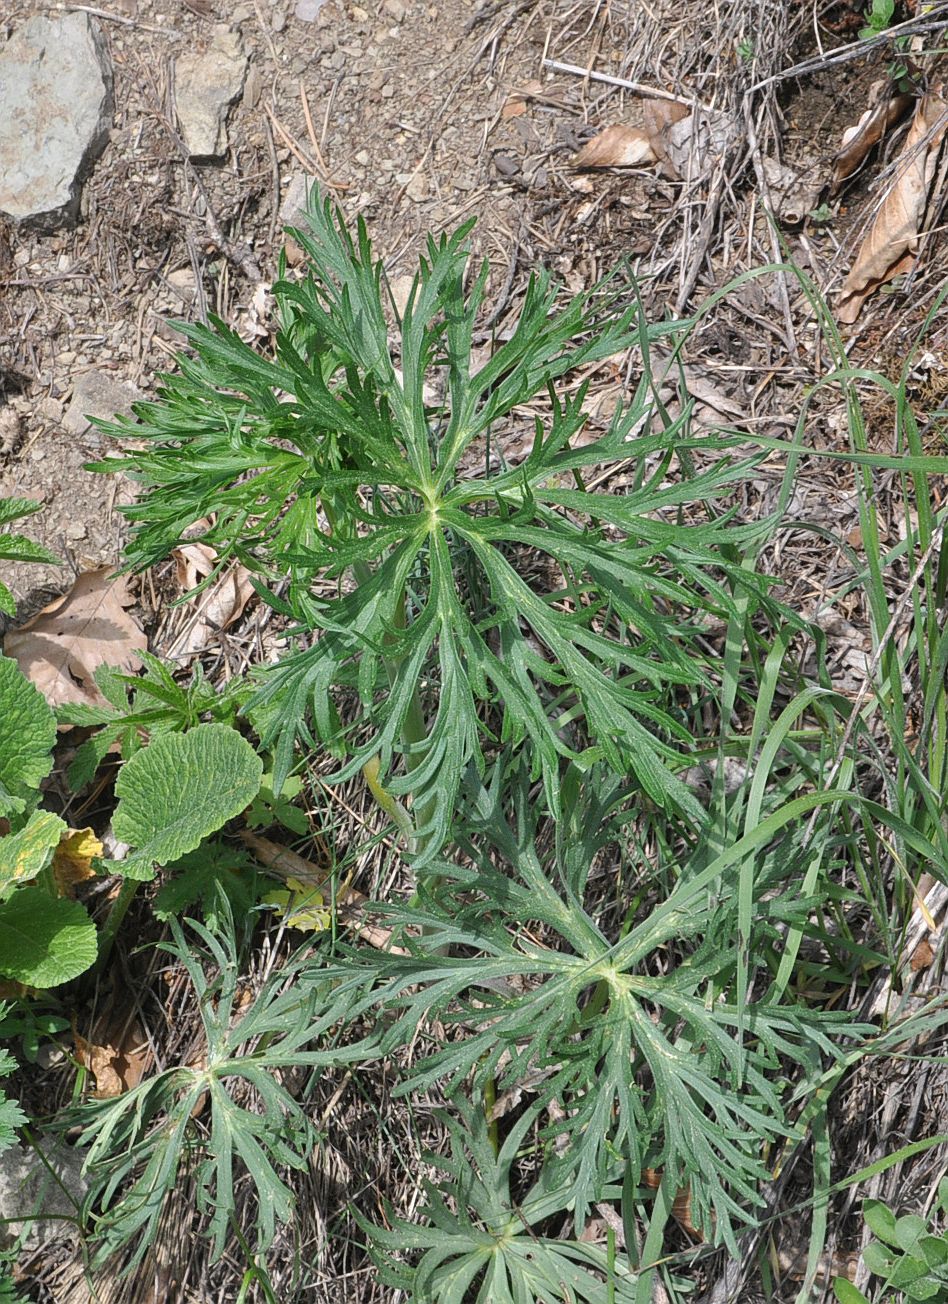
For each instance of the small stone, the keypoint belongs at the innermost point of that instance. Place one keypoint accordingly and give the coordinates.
(307, 11)
(253, 86)
(56, 110)
(10, 430)
(359, 15)
(395, 9)
(76, 530)
(98, 394)
(293, 206)
(278, 21)
(417, 188)
(205, 86)
(50, 409)
(362, 157)
(183, 284)
(400, 287)
(388, 90)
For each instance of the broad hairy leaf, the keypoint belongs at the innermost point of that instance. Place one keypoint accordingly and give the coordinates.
(178, 790)
(476, 600)
(27, 738)
(44, 940)
(24, 854)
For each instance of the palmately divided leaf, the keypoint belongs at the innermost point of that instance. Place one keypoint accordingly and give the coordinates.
(476, 601)
(178, 790)
(652, 1066)
(487, 1240)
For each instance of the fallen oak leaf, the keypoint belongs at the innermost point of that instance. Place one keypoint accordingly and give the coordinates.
(891, 247)
(63, 645)
(220, 606)
(617, 147)
(859, 139)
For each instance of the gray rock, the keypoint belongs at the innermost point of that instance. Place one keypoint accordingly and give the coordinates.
(55, 111)
(205, 86)
(97, 394)
(293, 207)
(307, 11)
(28, 1188)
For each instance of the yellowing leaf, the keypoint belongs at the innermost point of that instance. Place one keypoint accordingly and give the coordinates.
(301, 907)
(72, 859)
(25, 854)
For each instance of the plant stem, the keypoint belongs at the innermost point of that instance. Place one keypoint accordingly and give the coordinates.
(114, 922)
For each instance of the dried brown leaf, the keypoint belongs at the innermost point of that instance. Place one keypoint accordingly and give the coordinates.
(220, 605)
(61, 648)
(116, 1054)
(687, 142)
(792, 193)
(858, 140)
(617, 147)
(892, 243)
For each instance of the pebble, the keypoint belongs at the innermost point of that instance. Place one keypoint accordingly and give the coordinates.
(307, 11)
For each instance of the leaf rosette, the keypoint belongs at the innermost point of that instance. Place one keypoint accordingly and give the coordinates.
(456, 600)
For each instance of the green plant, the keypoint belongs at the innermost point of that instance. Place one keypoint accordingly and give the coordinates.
(651, 1065)
(473, 1234)
(172, 794)
(878, 19)
(208, 1122)
(11, 1116)
(910, 1261)
(376, 490)
(138, 707)
(45, 938)
(15, 547)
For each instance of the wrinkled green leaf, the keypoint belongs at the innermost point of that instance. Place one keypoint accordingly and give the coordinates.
(178, 790)
(24, 854)
(44, 940)
(27, 738)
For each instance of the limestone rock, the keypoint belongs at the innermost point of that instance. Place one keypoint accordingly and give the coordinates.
(205, 86)
(98, 394)
(28, 1187)
(56, 110)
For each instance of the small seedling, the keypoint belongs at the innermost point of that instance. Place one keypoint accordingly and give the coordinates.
(910, 1262)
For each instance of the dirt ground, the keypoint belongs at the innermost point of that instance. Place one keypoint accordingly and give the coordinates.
(416, 117)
